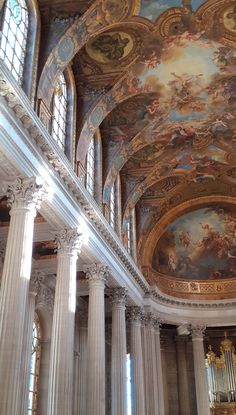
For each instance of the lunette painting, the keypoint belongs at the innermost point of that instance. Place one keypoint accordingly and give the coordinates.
(199, 245)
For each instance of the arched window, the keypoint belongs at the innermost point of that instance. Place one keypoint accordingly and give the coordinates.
(14, 37)
(60, 106)
(115, 206)
(129, 235)
(90, 168)
(34, 368)
(112, 207)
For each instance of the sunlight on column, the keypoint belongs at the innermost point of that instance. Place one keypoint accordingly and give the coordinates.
(72, 290)
(128, 384)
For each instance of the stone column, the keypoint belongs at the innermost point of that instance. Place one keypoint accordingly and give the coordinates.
(60, 399)
(150, 365)
(27, 344)
(135, 316)
(44, 304)
(203, 405)
(24, 197)
(118, 352)
(82, 364)
(183, 382)
(160, 384)
(76, 367)
(164, 374)
(95, 392)
(80, 359)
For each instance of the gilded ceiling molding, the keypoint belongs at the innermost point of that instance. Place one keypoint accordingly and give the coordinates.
(164, 299)
(193, 289)
(160, 226)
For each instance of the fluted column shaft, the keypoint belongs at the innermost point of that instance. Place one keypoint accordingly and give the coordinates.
(27, 350)
(82, 364)
(118, 352)
(203, 405)
(96, 341)
(135, 316)
(164, 374)
(183, 383)
(60, 400)
(150, 366)
(160, 383)
(24, 195)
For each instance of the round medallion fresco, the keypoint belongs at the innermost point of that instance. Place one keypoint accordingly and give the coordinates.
(200, 245)
(110, 47)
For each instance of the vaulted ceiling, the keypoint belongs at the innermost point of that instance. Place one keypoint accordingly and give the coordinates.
(158, 78)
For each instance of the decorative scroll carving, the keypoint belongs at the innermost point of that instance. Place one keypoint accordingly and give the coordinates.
(25, 192)
(96, 272)
(68, 241)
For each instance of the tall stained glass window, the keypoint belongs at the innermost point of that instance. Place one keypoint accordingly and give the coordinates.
(34, 368)
(14, 37)
(90, 173)
(60, 112)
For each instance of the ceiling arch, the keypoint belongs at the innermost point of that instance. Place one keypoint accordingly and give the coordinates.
(99, 17)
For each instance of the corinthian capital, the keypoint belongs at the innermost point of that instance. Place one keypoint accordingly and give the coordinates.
(118, 296)
(198, 331)
(68, 241)
(97, 272)
(25, 193)
(135, 314)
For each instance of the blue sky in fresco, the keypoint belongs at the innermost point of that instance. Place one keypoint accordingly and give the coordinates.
(151, 9)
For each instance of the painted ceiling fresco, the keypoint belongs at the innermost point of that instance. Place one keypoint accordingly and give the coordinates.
(152, 9)
(158, 79)
(199, 245)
